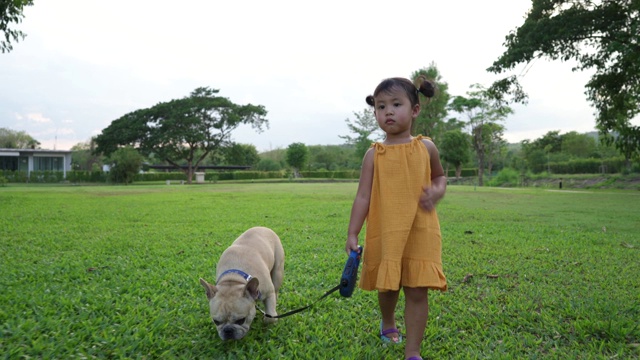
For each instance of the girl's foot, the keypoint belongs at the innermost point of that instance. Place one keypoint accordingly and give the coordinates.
(391, 335)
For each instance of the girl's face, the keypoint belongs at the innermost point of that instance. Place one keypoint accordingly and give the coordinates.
(394, 113)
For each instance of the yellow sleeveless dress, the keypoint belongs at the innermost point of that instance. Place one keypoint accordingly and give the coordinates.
(402, 244)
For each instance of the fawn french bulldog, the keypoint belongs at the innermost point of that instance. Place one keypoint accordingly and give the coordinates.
(249, 270)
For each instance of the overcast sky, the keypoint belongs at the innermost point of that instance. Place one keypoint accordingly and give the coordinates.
(85, 63)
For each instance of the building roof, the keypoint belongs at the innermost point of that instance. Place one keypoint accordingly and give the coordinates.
(24, 152)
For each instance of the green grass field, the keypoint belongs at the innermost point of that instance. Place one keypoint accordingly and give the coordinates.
(112, 272)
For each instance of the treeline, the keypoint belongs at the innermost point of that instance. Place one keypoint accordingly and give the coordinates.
(553, 153)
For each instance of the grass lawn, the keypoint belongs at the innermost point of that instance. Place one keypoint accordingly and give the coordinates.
(112, 272)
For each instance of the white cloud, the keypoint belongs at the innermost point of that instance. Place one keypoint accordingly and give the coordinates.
(37, 118)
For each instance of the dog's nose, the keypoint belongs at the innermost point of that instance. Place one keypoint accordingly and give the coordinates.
(228, 332)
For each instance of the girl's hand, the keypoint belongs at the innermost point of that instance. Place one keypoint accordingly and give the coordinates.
(428, 199)
(432, 195)
(352, 244)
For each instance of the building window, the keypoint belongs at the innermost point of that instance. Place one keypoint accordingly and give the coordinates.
(9, 163)
(46, 163)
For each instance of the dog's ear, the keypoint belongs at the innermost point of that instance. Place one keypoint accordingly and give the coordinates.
(252, 289)
(210, 289)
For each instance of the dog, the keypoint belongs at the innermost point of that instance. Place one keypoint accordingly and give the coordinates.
(249, 270)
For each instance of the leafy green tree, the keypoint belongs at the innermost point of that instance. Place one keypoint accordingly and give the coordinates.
(579, 145)
(365, 127)
(493, 143)
(84, 158)
(480, 108)
(601, 36)
(534, 156)
(11, 139)
(433, 112)
(552, 141)
(554, 147)
(297, 156)
(182, 131)
(240, 154)
(454, 149)
(11, 11)
(331, 157)
(539, 152)
(268, 165)
(125, 164)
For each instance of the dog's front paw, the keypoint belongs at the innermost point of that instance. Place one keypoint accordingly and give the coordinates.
(270, 320)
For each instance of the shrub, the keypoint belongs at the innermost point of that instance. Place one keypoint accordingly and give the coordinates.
(79, 176)
(126, 164)
(505, 177)
(268, 165)
(464, 173)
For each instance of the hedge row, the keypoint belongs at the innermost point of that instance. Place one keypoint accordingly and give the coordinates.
(464, 173)
(34, 177)
(578, 166)
(584, 166)
(244, 175)
(326, 174)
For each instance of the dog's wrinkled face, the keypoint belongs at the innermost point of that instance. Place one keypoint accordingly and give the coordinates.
(232, 307)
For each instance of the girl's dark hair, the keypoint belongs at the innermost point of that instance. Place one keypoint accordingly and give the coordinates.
(423, 85)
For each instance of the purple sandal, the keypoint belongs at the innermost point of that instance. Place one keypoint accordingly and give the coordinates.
(385, 338)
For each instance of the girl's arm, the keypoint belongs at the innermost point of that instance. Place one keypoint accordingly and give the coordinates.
(360, 207)
(432, 195)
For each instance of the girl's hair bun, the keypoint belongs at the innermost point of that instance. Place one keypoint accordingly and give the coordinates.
(370, 100)
(426, 87)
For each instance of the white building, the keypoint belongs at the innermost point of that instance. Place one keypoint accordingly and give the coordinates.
(35, 160)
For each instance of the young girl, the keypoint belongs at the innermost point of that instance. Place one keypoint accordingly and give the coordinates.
(401, 182)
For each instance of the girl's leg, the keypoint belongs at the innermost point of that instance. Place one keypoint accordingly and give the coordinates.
(387, 301)
(416, 312)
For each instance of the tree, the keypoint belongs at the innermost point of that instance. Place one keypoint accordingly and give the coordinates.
(551, 140)
(268, 165)
(480, 108)
(11, 12)
(11, 139)
(240, 154)
(493, 143)
(364, 126)
(125, 164)
(534, 156)
(599, 35)
(182, 130)
(434, 110)
(454, 149)
(579, 145)
(330, 157)
(297, 155)
(83, 156)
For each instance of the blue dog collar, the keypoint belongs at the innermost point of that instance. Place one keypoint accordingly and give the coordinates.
(236, 271)
(241, 273)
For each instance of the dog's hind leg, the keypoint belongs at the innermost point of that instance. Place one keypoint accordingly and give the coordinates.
(277, 272)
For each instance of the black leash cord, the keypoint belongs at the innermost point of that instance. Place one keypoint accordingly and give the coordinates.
(302, 308)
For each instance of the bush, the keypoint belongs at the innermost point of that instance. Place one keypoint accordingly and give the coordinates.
(96, 176)
(506, 177)
(3, 181)
(268, 165)
(464, 173)
(15, 176)
(161, 176)
(46, 176)
(126, 164)
(589, 166)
